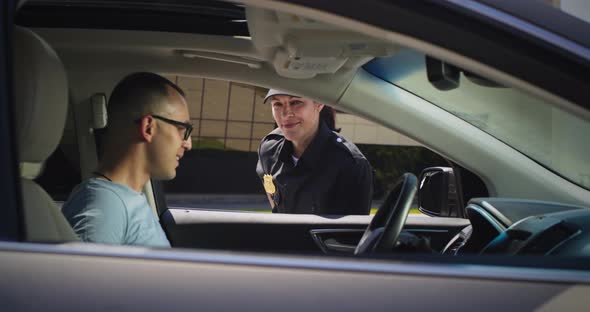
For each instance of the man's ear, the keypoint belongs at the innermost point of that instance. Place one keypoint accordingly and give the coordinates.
(146, 128)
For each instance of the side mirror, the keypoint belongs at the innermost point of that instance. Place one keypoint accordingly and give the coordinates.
(437, 193)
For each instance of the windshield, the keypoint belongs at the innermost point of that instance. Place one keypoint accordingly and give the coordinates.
(552, 137)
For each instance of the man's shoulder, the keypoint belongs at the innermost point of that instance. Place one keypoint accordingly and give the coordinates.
(94, 191)
(97, 212)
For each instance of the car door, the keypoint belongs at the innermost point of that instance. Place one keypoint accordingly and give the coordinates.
(75, 277)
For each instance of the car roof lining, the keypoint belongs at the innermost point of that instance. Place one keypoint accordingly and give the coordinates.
(396, 39)
(160, 54)
(199, 19)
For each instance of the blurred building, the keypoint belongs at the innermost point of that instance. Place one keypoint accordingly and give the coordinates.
(232, 116)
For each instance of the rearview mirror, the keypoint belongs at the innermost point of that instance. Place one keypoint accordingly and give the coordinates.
(445, 76)
(441, 75)
(437, 193)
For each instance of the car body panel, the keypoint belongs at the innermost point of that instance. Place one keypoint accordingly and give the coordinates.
(252, 231)
(109, 278)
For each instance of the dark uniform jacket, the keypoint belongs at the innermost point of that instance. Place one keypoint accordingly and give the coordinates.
(331, 177)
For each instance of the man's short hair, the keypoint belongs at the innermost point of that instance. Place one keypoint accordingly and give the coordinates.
(138, 94)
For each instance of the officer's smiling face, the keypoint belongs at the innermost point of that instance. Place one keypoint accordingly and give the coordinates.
(298, 118)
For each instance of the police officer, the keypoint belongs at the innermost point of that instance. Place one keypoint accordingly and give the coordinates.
(306, 166)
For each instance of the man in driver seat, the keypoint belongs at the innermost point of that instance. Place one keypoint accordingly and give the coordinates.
(148, 133)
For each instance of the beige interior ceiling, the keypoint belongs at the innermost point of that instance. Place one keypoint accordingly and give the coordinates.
(282, 46)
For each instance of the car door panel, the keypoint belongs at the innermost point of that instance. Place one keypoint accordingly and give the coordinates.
(143, 279)
(199, 228)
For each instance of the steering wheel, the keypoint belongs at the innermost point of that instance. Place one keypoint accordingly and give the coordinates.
(385, 227)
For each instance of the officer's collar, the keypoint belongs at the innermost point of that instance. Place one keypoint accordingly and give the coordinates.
(312, 155)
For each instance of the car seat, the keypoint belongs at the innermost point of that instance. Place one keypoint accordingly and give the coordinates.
(41, 102)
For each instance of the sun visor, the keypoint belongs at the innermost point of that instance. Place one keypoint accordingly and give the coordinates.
(303, 48)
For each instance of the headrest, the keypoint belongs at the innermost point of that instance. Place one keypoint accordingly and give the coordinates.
(41, 96)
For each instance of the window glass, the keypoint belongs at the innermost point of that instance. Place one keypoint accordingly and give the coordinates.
(230, 121)
(212, 128)
(215, 99)
(548, 135)
(239, 130)
(193, 89)
(242, 102)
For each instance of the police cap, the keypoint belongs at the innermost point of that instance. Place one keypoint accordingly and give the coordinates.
(272, 92)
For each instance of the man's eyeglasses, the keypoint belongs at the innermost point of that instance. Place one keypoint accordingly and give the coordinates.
(188, 127)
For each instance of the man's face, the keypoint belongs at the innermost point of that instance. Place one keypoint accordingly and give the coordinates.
(297, 117)
(168, 146)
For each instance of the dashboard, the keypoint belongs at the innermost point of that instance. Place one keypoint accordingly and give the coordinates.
(523, 227)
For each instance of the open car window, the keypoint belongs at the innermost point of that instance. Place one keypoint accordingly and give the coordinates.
(230, 121)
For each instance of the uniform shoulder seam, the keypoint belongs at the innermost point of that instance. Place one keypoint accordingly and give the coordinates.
(350, 147)
(275, 133)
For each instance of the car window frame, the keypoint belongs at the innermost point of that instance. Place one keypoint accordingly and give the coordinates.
(12, 221)
(161, 205)
(531, 60)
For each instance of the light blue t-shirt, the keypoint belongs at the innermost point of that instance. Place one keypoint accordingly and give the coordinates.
(105, 212)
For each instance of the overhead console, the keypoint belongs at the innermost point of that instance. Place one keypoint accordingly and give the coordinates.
(300, 47)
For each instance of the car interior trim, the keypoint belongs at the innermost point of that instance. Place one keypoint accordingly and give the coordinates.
(180, 216)
(526, 27)
(490, 209)
(316, 233)
(551, 18)
(488, 217)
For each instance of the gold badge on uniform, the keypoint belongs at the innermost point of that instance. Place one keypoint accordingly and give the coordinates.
(269, 187)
